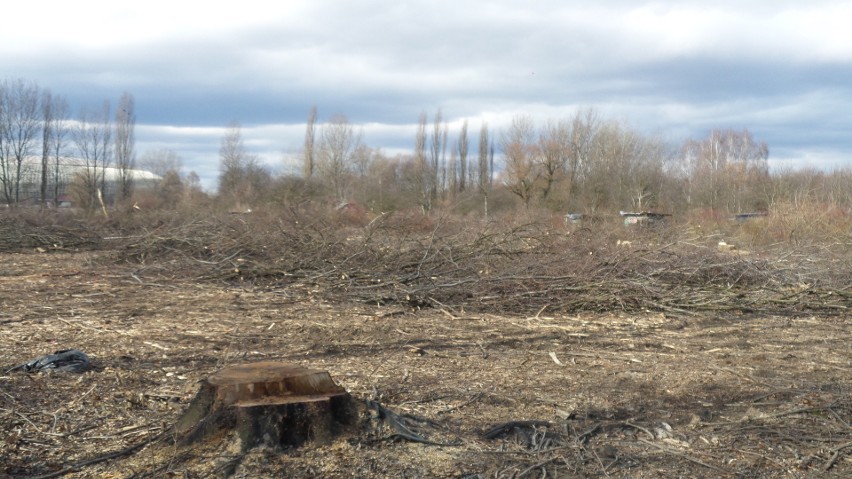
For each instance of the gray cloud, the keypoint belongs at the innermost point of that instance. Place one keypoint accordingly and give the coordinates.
(673, 67)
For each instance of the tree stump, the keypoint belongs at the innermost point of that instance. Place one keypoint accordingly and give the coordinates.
(267, 403)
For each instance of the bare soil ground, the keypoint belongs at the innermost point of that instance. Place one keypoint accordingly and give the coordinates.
(590, 395)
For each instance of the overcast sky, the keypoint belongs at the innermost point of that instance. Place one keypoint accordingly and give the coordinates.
(782, 69)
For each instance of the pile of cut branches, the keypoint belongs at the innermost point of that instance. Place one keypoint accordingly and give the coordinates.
(21, 233)
(487, 267)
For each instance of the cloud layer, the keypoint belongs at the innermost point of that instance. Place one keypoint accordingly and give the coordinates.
(677, 68)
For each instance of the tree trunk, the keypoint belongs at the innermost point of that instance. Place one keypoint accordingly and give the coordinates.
(267, 403)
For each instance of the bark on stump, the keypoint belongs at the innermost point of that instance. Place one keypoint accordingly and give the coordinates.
(267, 403)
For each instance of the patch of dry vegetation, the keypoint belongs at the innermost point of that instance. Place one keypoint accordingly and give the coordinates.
(523, 349)
(485, 267)
(28, 231)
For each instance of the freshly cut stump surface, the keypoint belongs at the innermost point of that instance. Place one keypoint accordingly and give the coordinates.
(268, 403)
(271, 382)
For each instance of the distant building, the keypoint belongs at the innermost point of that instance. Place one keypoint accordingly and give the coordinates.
(643, 218)
(61, 176)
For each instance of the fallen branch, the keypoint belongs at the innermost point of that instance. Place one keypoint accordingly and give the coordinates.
(682, 455)
(835, 455)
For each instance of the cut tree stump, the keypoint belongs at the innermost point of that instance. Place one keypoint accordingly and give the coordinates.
(267, 403)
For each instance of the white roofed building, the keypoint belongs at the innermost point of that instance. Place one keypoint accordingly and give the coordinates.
(62, 174)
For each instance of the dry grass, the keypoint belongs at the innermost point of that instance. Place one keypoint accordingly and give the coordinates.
(520, 268)
(667, 357)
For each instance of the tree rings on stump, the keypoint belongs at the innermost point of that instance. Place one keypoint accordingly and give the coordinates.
(267, 403)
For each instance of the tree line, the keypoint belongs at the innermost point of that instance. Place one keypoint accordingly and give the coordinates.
(340, 168)
(583, 163)
(39, 139)
(49, 155)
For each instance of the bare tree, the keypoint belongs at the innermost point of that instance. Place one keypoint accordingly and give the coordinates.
(170, 190)
(453, 170)
(161, 161)
(749, 170)
(444, 135)
(54, 139)
(584, 127)
(490, 173)
(362, 159)
(125, 140)
(485, 168)
(436, 147)
(167, 164)
(723, 165)
(626, 169)
(232, 154)
(554, 147)
(241, 177)
(92, 135)
(20, 120)
(310, 143)
(463, 146)
(339, 145)
(400, 182)
(518, 145)
(46, 126)
(193, 193)
(421, 168)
